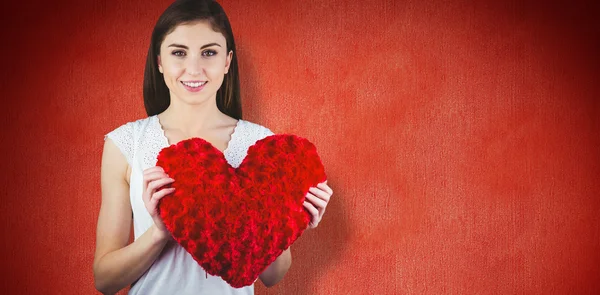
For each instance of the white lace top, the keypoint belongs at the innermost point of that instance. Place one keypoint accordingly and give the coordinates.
(174, 271)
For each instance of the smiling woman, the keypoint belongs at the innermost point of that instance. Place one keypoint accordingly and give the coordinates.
(192, 63)
(194, 58)
(190, 37)
(191, 89)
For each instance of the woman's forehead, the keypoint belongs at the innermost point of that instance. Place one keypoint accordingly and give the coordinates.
(195, 34)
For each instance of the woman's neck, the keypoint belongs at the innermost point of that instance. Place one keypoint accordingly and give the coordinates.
(191, 119)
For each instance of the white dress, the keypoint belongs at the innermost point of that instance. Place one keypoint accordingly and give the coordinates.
(174, 271)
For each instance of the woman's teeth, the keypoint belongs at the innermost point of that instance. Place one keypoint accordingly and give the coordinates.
(193, 84)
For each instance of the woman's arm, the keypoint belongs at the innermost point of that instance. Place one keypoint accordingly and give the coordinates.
(277, 270)
(116, 264)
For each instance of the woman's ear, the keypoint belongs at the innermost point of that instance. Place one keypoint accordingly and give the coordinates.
(160, 69)
(228, 61)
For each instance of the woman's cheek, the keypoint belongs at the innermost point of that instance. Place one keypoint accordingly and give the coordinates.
(175, 67)
(174, 72)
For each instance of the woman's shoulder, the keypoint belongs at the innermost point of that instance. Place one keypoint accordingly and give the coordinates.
(131, 129)
(124, 135)
(255, 130)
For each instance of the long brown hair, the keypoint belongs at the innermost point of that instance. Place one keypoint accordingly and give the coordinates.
(156, 93)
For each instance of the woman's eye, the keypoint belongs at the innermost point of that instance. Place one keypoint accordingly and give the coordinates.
(178, 53)
(209, 53)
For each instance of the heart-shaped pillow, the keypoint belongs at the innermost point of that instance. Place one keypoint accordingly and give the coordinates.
(236, 221)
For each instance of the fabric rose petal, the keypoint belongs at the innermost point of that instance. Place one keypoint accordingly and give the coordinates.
(236, 221)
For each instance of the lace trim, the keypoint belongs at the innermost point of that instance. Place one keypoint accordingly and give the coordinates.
(151, 139)
(157, 131)
(122, 137)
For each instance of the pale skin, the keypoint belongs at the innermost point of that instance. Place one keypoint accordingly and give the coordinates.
(191, 53)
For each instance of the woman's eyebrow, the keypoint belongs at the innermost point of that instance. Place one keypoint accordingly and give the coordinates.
(209, 45)
(178, 46)
(185, 47)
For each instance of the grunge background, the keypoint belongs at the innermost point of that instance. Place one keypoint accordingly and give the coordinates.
(461, 137)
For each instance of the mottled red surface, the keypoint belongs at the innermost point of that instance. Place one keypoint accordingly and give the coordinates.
(461, 138)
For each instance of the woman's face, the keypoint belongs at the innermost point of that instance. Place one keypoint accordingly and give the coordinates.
(194, 59)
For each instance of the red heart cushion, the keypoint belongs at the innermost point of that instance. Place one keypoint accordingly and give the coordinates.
(236, 221)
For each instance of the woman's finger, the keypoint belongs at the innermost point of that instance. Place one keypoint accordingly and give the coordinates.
(323, 195)
(154, 176)
(153, 169)
(159, 195)
(314, 212)
(145, 197)
(318, 203)
(325, 187)
(154, 185)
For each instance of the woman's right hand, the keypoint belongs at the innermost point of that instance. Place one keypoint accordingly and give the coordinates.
(154, 179)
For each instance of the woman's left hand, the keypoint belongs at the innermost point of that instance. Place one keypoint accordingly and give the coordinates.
(317, 199)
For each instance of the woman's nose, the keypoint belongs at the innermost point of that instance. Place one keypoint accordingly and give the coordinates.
(194, 66)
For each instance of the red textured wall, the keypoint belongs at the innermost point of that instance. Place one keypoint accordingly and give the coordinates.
(461, 138)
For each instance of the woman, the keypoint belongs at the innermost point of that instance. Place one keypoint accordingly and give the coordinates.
(191, 89)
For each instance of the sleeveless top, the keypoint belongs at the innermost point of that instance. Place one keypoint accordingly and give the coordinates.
(174, 271)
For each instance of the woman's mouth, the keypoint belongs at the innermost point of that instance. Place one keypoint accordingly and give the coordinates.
(193, 86)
